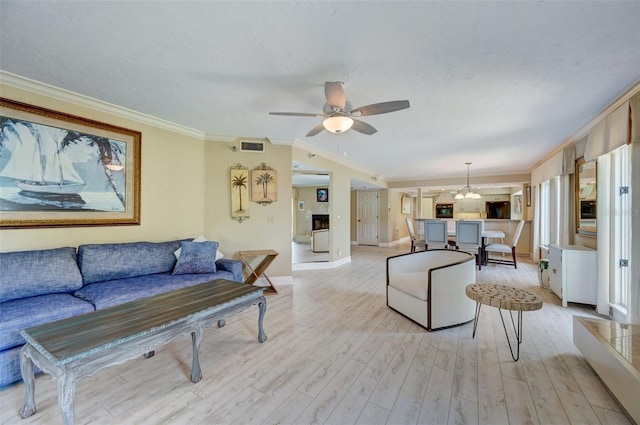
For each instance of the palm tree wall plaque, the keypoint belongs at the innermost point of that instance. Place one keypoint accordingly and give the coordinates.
(265, 183)
(239, 192)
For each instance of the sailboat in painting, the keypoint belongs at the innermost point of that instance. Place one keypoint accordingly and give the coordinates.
(38, 163)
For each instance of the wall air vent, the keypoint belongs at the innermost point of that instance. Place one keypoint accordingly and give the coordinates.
(251, 146)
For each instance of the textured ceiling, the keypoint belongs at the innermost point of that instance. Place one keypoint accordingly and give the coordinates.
(499, 84)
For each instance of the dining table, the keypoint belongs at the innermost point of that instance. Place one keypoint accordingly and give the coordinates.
(451, 232)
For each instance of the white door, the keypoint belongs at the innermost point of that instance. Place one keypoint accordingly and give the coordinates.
(368, 218)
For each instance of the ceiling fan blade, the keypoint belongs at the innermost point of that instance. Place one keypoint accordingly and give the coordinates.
(380, 108)
(363, 127)
(296, 114)
(334, 93)
(315, 130)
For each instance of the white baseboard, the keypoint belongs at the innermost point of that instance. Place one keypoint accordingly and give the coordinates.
(396, 242)
(388, 244)
(321, 265)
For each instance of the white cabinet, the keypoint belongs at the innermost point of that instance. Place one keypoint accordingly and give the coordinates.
(573, 273)
(469, 205)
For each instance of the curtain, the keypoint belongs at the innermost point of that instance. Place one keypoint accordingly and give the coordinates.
(634, 296)
(536, 222)
(618, 127)
(596, 142)
(609, 134)
(549, 169)
(604, 233)
(635, 118)
(569, 160)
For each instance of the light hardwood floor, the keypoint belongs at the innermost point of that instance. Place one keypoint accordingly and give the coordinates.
(336, 354)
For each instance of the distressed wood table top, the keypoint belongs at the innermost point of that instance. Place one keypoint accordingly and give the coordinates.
(503, 297)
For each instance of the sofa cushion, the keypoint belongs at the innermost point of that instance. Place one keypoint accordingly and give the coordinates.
(20, 314)
(31, 273)
(197, 257)
(105, 262)
(412, 283)
(219, 255)
(119, 291)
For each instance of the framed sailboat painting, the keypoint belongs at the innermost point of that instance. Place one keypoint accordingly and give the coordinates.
(62, 170)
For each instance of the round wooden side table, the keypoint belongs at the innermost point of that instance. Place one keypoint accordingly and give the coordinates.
(504, 298)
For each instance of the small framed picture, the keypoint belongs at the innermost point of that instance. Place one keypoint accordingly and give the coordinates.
(405, 205)
(300, 205)
(322, 195)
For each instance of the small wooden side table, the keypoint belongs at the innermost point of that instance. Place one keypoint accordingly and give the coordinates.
(268, 255)
(507, 298)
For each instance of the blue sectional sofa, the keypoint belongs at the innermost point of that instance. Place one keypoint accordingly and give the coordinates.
(42, 286)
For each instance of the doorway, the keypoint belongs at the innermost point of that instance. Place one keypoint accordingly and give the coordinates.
(311, 206)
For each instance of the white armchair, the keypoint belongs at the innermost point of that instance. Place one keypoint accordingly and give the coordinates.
(320, 240)
(428, 287)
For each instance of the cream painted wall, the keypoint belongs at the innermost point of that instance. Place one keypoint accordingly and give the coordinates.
(172, 176)
(395, 227)
(268, 226)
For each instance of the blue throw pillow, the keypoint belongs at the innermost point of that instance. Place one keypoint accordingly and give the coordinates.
(197, 257)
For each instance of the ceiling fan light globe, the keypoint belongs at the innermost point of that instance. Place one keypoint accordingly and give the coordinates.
(459, 196)
(469, 195)
(338, 124)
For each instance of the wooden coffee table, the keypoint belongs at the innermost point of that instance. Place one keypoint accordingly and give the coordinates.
(80, 346)
(504, 298)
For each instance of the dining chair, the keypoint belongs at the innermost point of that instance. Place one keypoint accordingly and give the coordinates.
(435, 234)
(469, 238)
(415, 242)
(505, 249)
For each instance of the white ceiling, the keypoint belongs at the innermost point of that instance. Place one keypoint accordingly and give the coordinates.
(499, 84)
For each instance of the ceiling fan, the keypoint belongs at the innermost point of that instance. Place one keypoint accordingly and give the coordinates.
(339, 114)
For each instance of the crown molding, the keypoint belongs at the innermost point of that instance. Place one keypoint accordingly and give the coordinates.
(211, 137)
(63, 95)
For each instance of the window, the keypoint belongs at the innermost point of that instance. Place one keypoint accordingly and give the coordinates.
(550, 220)
(545, 213)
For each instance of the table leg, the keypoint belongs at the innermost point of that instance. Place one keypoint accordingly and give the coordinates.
(262, 306)
(517, 331)
(67, 384)
(485, 257)
(26, 368)
(475, 319)
(196, 372)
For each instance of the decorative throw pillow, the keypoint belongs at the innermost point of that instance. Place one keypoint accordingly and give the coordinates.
(219, 254)
(197, 257)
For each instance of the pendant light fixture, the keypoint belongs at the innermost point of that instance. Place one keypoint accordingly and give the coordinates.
(470, 194)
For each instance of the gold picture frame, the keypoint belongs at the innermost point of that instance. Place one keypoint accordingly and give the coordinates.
(61, 170)
(239, 181)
